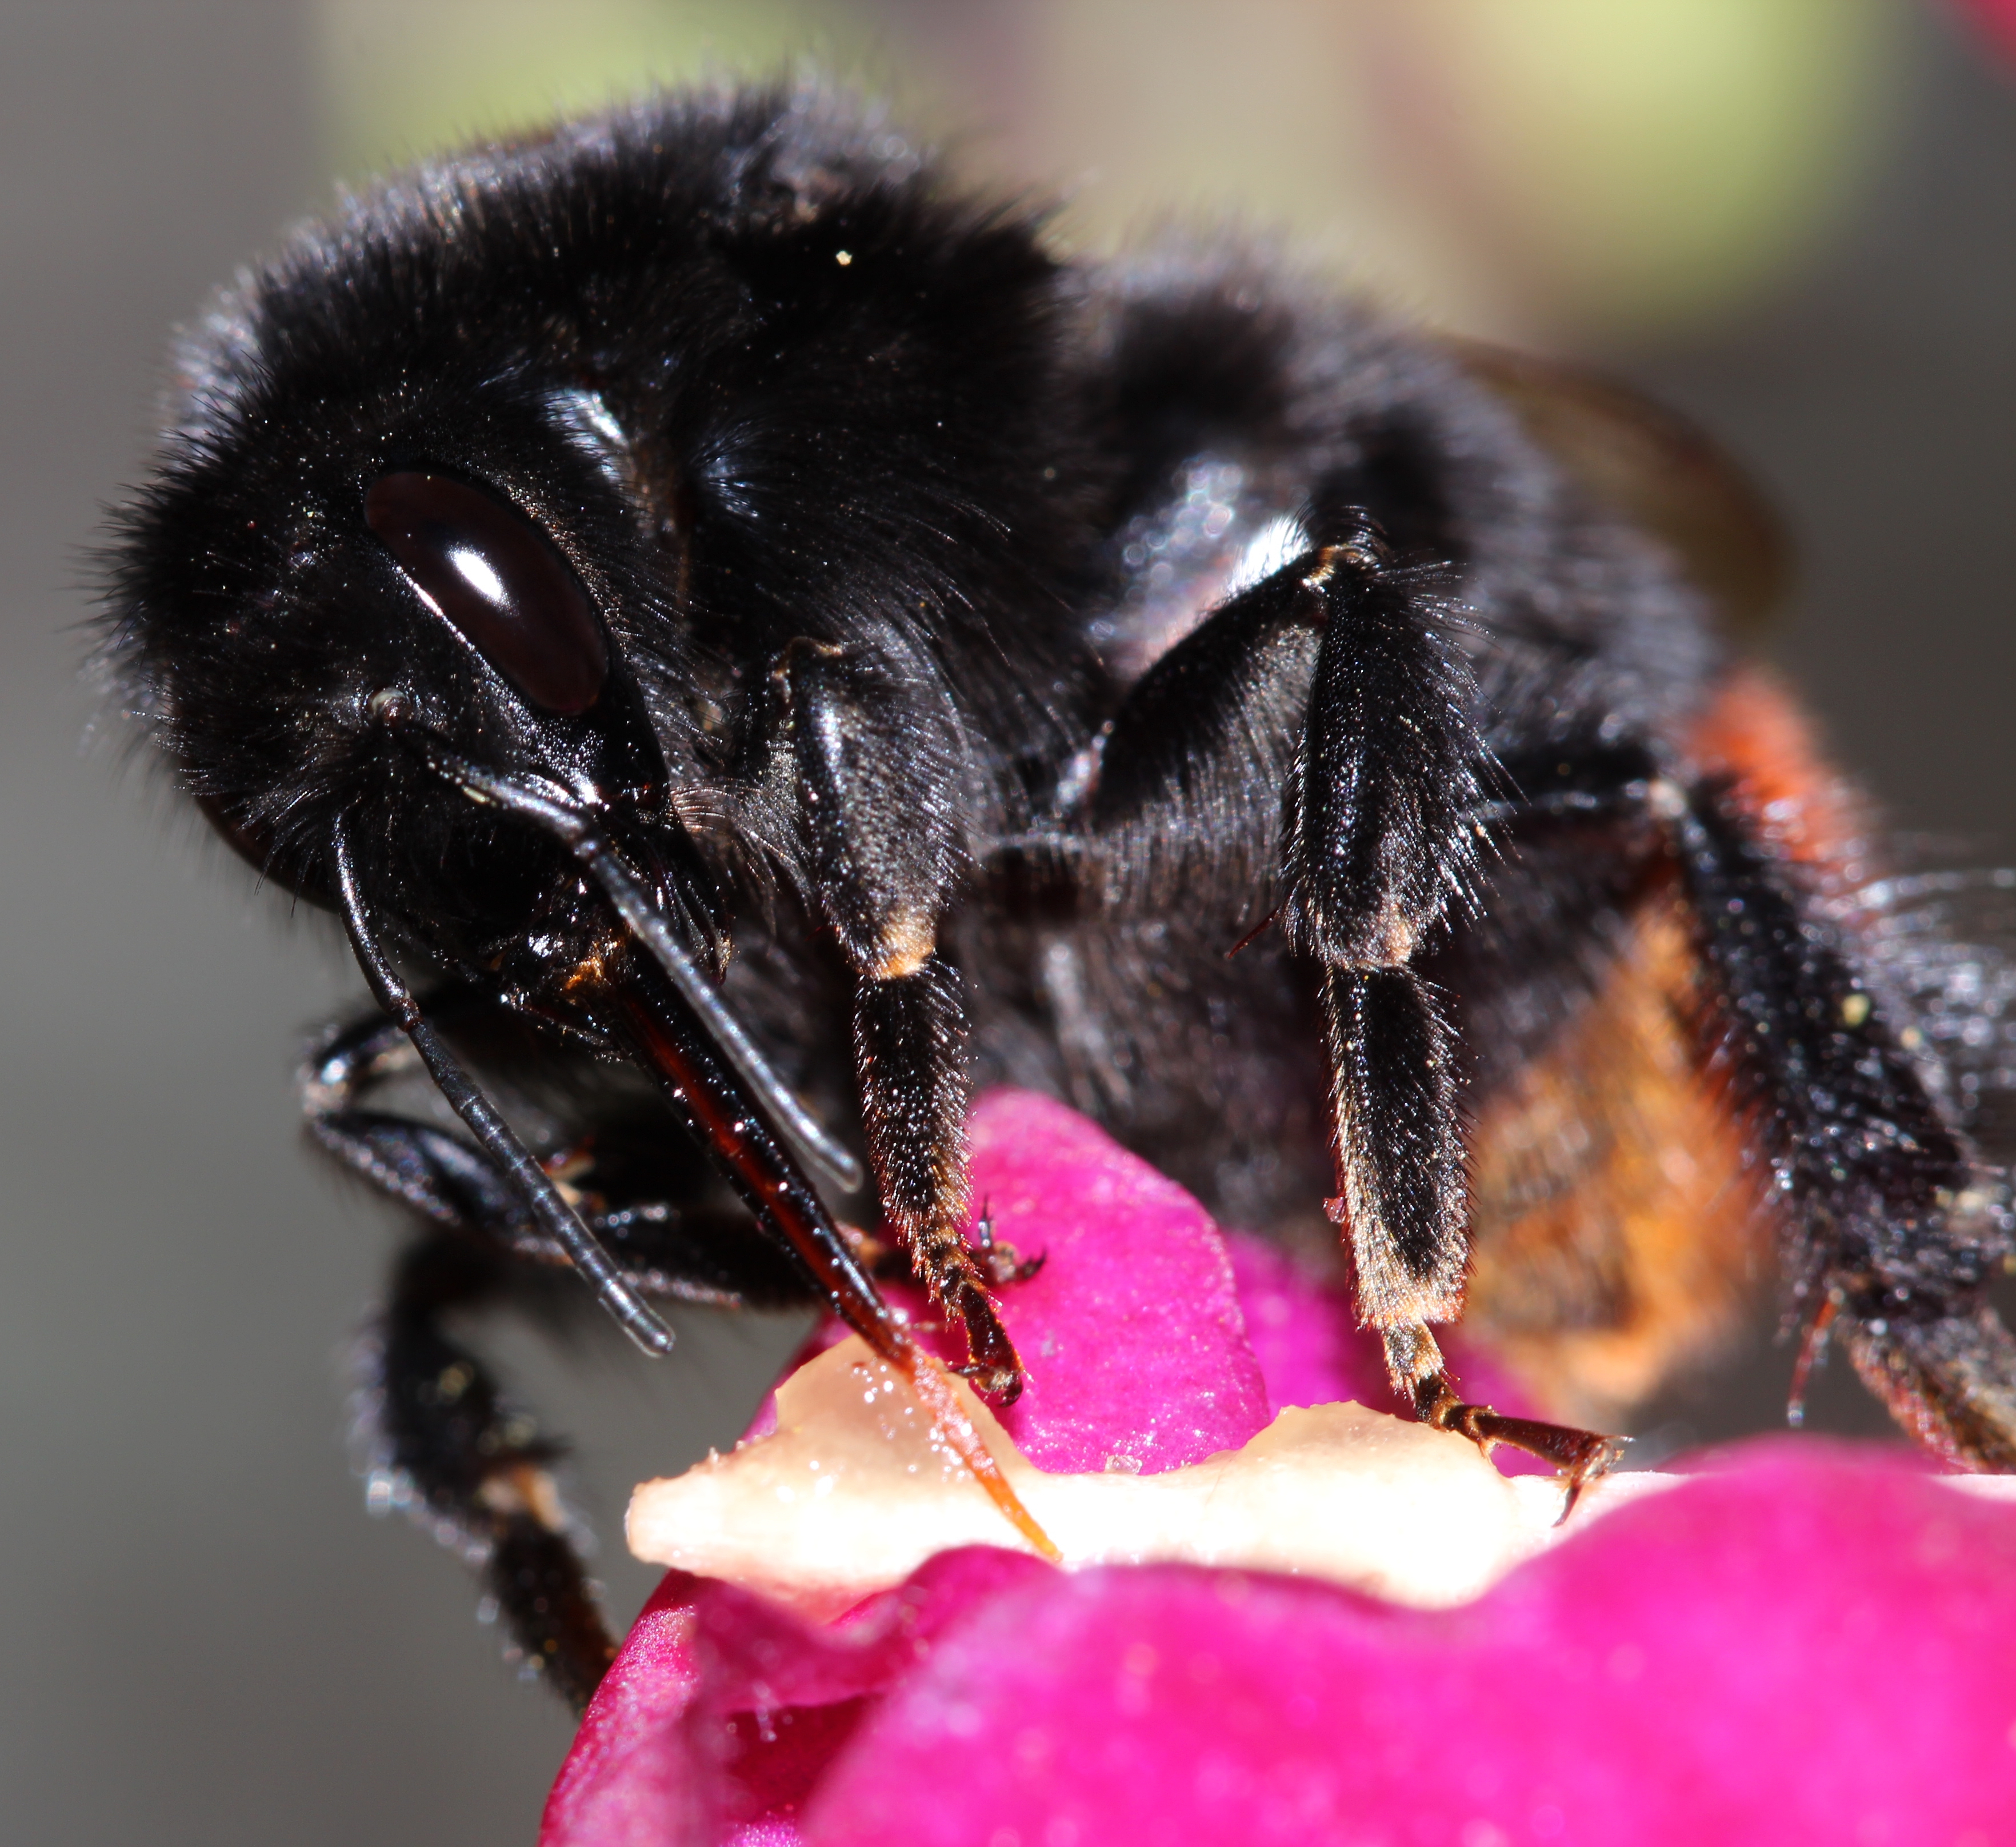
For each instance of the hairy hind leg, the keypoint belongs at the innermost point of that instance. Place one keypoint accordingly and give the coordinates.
(1324, 719)
(1890, 1231)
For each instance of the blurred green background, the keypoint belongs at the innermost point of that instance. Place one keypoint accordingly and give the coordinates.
(1793, 218)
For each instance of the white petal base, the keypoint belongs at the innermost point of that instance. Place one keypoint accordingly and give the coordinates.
(853, 1492)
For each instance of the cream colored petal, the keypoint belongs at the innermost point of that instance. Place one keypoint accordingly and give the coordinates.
(852, 1492)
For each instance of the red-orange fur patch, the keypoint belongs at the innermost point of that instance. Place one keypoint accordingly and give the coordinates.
(1618, 1221)
(1754, 735)
(1614, 1215)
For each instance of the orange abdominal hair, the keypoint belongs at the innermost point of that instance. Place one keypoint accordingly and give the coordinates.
(1619, 1223)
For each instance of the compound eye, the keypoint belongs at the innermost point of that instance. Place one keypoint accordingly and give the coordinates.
(497, 580)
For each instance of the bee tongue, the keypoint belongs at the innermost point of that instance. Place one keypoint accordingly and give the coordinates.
(678, 1028)
(548, 808)
(671, 1040)
(793, 1121)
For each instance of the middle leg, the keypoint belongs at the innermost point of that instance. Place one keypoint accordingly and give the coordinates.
(442, 1440)
(1317, 737)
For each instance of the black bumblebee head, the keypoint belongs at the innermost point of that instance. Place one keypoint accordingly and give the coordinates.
(534, 463)
(418, 649)
(457, 597)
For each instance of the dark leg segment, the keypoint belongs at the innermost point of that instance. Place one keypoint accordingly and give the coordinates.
(1888, 1226)
(1383, 832)
(443, 1440)
(1393, 1056)
(647, 1197)
(873, 781)
(690, 1252)
(909, 1047)
(1328, 713)
(1382, 837)
(1399, 1152)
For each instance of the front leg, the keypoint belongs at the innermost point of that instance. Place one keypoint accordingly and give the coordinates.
(440, 1438)
(875, 786)
(672, 1231)
(1322, 723)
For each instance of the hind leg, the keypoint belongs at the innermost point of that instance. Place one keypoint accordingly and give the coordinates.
(1890, 1230)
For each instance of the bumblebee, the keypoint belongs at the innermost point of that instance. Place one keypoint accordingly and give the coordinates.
(752, 643)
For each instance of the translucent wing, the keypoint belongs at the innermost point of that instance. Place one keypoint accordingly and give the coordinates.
(1658, 471)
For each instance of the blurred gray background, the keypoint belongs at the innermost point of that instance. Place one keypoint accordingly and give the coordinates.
(208, 1642)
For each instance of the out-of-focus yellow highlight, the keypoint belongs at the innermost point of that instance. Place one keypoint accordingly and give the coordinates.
(1648, 161)
(1534, 168)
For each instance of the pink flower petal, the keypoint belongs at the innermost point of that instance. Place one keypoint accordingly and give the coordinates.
(1305, 1334)
(1137, 1356)
(723, 1711)
(1813, 1648)
(1302, 1331)
(1812, 1644)
(625, 1781)
(1132, 1332)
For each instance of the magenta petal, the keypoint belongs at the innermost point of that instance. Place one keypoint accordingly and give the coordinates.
(1137, 1356)
(1301, 1328)
(1812, 1648)
(1811, 1645)
(723, 1712)
(1303, 1331)
(1132, 1332)
(624, 1782)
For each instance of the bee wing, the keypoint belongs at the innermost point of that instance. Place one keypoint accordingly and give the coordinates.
(1655, 470)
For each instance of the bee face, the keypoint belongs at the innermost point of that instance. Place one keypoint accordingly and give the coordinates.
(322, 594)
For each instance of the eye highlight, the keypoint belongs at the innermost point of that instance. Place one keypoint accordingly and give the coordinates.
(496, 579)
